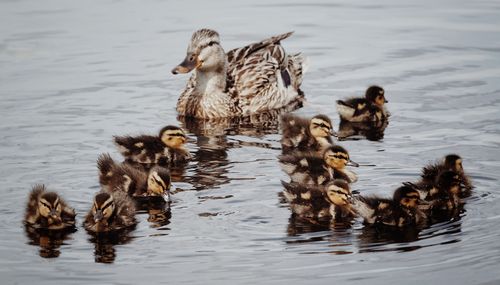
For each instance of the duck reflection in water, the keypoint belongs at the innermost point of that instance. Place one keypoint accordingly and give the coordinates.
(104, 244)
(211, 163)
(372, 131)
(158, 210)
(49, 240)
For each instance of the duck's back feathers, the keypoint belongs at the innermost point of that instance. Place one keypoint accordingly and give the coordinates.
(305, 168)
(294, 131)
(262, 76)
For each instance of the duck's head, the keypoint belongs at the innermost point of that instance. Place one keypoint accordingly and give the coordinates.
(338, 192)
(407, 197)
(203, 53)
(337, 157)
(453, 162)
(158, 181)
(376, 95)
(103, 209)
(448, 182)
(173, 137)
(320, 126)
(49, 207)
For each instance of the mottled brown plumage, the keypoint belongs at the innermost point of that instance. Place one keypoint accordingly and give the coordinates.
(245, 81)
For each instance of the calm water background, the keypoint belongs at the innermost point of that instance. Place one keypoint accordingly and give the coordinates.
(73, 74)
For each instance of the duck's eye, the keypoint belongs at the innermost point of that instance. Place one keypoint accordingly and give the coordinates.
(191, 58)
(211, 44)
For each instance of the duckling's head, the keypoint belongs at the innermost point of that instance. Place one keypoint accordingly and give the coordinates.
(103, 209)
(453, 162)
(49, 207)
(376, 95)
(448, 182)
(407, 197)
(320, 126)
(173, 137)
(338, 192)
(337, 157)
(203, 53)
(158, 181)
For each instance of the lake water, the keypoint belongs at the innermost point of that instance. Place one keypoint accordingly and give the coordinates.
(73, 74)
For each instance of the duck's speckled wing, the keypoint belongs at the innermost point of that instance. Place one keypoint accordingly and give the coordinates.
(262, 76)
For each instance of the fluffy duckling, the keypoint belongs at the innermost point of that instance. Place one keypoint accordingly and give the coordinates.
(330, 200)
(431, 172)
(368, 109)
(446, 195)
(47, 210)
(168, 149)
(303, 134)
(403, 209)
(110, 212)
(313, 170)
(133, 181)
(248, 80)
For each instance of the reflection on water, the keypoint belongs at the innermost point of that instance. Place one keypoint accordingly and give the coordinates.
(49, 240)
(372, 131)
(104, 244)
(211, 164)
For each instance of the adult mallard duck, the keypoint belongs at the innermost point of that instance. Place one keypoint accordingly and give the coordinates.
(304, 134)
(46, 210)
(244, 81)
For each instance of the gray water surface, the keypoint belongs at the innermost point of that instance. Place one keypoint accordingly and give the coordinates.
(73, 74)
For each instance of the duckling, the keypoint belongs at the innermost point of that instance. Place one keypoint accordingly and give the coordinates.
(245, 81)
(306, 134)
(431, 172)
(166, 150)
(47, 210)
(310, 169)
(403, 209)
(330, 200)
(447, 195)
(133, 181)
(368, 109)
(110, 212)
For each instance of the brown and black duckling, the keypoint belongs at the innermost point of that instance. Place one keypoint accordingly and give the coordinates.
(302, 167)
(136, 182)
(330, 200)
(368, 109)
(167, 149)
(304, 134)
(403, 209)
(110, 212)
(446, 195)
(431, 172)
(47, 210)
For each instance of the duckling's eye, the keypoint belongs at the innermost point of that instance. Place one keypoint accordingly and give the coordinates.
(211, 44)
(191, 58)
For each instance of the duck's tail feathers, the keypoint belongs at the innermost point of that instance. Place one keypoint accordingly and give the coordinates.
(105, 165)
(298, 64)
